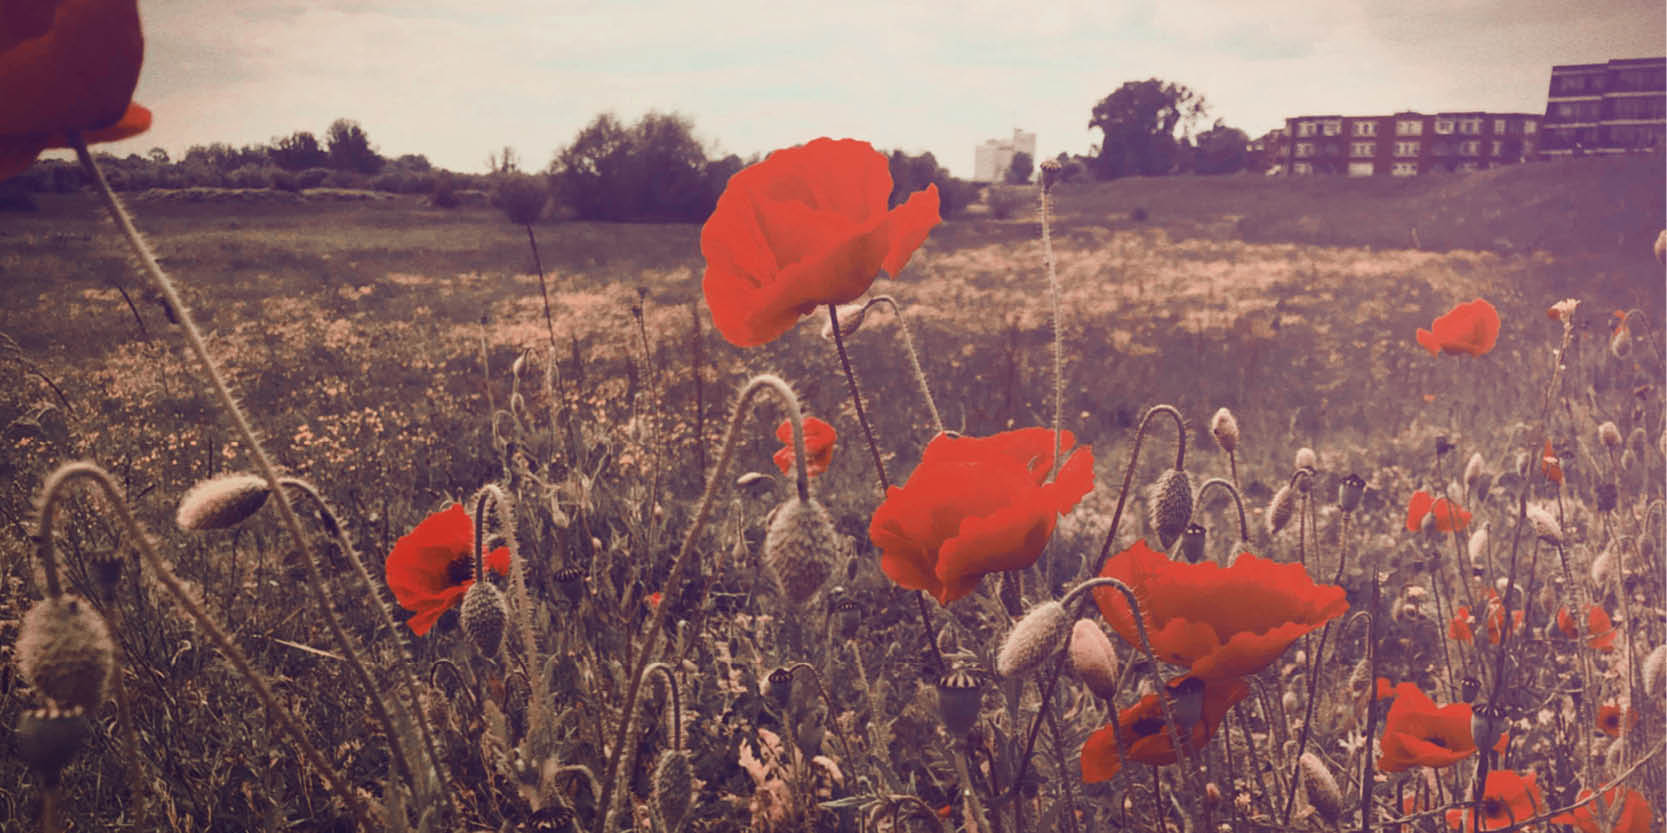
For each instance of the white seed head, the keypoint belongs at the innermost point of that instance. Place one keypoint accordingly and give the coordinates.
(1610, 435)
(220, 502)
(1225, 428)
(1478, 547)
(1473, 472)
(1032, 639)
(1307, 459)
(1603, 567)
(1545, 526)
(1093, 659)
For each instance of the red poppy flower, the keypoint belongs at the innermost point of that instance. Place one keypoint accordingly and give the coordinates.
(1508, 797)
(1611, 717)
(1635, 817)
(1550, 464)
(1601, 629)
(1459, 629)
(1448, 515)
(654, 599)
(977, 505)
(1384, 689)
(1218, 621)
(1565, 622)
(67, 66)
(807, 226)
(1469, 329)
(1145, 735)
(1419, 733)
(1496, 619)
(819, 446)
(432, 565)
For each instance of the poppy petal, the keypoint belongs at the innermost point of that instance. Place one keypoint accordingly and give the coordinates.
(910, 223)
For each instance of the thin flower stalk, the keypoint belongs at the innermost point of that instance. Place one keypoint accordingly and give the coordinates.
(913, 356)
(1238, 503)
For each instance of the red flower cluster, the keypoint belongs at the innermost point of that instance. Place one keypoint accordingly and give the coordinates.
(1220, 622)
(1449, 516)
(1507, 798)
(1635, 816)
(977, 505)
(805, 227)
(819, 446)
(1469, 329)
(1198, 707)
(432, 566)
(1419, 733)
(66, 66)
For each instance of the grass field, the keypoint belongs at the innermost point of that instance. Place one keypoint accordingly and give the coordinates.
(372, 344)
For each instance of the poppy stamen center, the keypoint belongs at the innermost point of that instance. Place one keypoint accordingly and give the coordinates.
(460, 570)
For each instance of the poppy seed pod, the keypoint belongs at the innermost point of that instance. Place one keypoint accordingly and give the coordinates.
(571, 581)
(1350, 491)
(850, 320)
(1487, 723)
(1051, 170)
(484, 617)
(1610, 435)
(47, 739)
(958, 700)
(1284, 505)
(1093, 659)
(674, 786)
(1032, 639)
(1655, 667)
(221, 502)
(64, 651)
(1192, 543)
(1320, 788)
(1225, 428)
(1544, 525)
(799, 548)
(1306, 459)
(1171, 505)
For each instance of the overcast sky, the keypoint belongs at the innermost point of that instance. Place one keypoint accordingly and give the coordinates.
(456, 79)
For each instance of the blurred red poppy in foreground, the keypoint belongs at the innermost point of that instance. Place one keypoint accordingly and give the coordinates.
(1635, 817)
(1550, 465)
(1448, 515)
(805, 227)
(1220, 622)
(1198, 707)
(1601, 629)
(432, 565)
(1459, 628)
(67, 66)
(1470, 328)
(1565, 622)
(1611, 717)
(977, 505)
(819, 446)
(1508, 798)
(1420, 733)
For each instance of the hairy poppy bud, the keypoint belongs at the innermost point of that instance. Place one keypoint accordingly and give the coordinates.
(1320, 788)
(1620, 344)
(1655, 667)
(1609, 435)
(1093, 659)
(1280, 510)
(484, 616)
(799, 548)
(1544, 525)
(221, 502)
(850, 320)
(47, 739)
(1307, 459)
(1603, 566)
(1477, 547)
(958, 700)
(1032, 639)
(1192, 543)
(1350, 491)
(1473, 471)
(64, 651)
(1171, 505)
(1225, 429)
(674, 786)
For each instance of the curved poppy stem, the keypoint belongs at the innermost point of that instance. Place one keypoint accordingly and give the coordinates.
(856, 398)
(676, 703)
(914, 358)
(1134, 458)
(793, 668)
(1238, 502)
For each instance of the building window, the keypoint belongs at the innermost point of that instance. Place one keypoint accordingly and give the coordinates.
(1469, 167)
(1443, 126)
(1333, 127)
(1499, 126)
(1406, 148)
(1360, 169)
(1305, 149)
(1305, 128)
(1409, 127)
(1498, 146)
(1530, 127)
(1365, 128)
(1470, 148)
(1470, 127)
(1302, 168)
(1362, 148)
(1404, 169)
(1441, 149)
(1573, 83)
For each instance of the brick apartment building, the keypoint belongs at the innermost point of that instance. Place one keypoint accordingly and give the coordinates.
(1404, 144)
(1614, 107)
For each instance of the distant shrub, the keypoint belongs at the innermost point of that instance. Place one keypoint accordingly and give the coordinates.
(286, 181)
(1007, 201)
(343, 179)
(249, 176)
(521, 198)
(445, 191)
(392, 183)
(312, 177)
(1138, 215)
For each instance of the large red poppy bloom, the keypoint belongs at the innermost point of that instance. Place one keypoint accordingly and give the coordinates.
(67, 66)
(1612, 720)
(807, 226)
(1420, 733)
(1508, 797)
(1221, 622)
(819, 446)
(1602, 630)
(432, 565)
(1145, 735)
(977, 505)
(1470, 328)
(1636, 813)
(1448, 515)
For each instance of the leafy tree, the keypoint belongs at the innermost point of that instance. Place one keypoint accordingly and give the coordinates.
(505, 162)
(414, 162)
(520, 197)
(1020, 169)
(222, 158)
(1138, 123)
(589, 175)
(1221, 150)
(667, 177)
(298, 151)
(350, 148)
(157, 155)
(913, 173)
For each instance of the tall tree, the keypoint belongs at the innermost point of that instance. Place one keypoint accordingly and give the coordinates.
(298, 151)
(1019, 171)
(589, 175)
(1221, 150)
(350, 148)
(1139, 123)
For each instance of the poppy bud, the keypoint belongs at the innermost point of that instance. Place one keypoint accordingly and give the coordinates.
(1225, 429)
(1032, 639)
(1483, 485)
(1473, 472)
(850, 320)
(1655, 666)
(64, 651)
(1349, 492)
(1477, 547)
(1320, 788)
(1093, 659)
(1609, 435)
(1192, 543)
(1620, 344)
(1616, 755)
(1171, 505)
(799, 548)
(1605, 496)
(221, 502)
(1280, 510)
(1544, 525)
(484, 617)
(958, 700)
(47, 739)
(674, 786)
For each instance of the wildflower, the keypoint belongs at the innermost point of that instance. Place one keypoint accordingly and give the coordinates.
(1496, 619)
(1601, 629)
(1550, 464)
(1610, 718)
(654, 599)
(1218, 621)
(1507, 798)
(432, 566)
(1565, 623)
(1635, 816)
(1470, 328)
(68, 66)
(1145, 734)
(1449, 516)
(977, 505)
(1620, 342)
(819, 446)
(807, 226)
(1420, 733)
(1562, 310)
(1459, 628)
